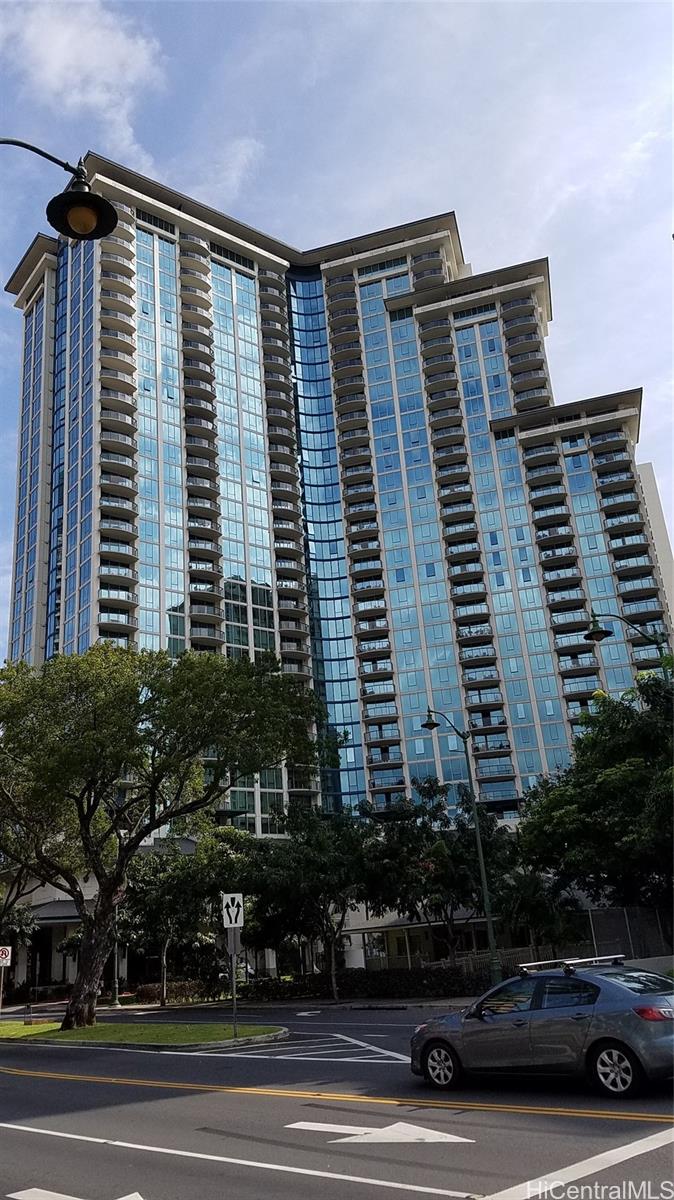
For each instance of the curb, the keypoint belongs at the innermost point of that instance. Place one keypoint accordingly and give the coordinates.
(255, 1040)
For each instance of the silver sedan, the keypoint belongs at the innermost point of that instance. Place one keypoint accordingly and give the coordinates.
(614, 1024)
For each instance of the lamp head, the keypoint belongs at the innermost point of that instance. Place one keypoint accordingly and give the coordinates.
(80, 213)
(596, 632)
(430, 723)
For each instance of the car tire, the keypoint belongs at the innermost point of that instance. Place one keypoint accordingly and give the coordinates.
(615, 1070)
(441, 1066)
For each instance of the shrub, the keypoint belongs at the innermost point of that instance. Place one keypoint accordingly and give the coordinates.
(360, 984)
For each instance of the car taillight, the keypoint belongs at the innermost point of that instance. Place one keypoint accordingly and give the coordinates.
(648, 1012)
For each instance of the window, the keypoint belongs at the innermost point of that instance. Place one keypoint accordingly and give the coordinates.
(642, 982)
(568, 993)
(515, 996)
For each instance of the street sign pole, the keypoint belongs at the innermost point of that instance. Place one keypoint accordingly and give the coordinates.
(235, 1024)
(5, 961)
(232, 919)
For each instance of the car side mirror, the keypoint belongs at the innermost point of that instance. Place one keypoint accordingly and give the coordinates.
(475, 1013)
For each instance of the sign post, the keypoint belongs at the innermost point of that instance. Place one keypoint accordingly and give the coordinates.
(232, 919)
(5, 961)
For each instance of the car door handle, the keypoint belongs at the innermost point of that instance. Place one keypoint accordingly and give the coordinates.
(519, 1024)
(579, 1017)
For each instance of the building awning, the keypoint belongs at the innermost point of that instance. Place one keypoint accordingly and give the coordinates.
(56, 912)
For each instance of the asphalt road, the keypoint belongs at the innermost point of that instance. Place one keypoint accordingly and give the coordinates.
(100, 1124)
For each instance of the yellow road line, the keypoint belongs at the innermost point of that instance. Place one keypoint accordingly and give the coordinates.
(393, 1101)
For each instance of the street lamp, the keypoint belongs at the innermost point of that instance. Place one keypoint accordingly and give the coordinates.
(464, 735)
(77, 212)
(598, 633)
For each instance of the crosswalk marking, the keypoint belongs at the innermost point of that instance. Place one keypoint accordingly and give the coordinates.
(330, 1048)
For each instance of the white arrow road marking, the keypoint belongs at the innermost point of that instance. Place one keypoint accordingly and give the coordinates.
(40, 1194)
(314, 1013)
(400, 1131)
(281, 1168)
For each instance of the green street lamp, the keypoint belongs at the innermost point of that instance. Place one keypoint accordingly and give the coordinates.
(77, 212)
(598, 633)
(464, 735)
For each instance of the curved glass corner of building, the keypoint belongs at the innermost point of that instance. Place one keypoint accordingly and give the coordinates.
(332, 647)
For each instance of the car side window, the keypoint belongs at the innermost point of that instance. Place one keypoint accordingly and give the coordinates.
(568, 993)
(515, 996)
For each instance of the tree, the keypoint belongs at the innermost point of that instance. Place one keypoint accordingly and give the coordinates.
(604, 825)
(99, 751)
(307, 884)
(164, 904)
(426, 865)
(551, 913)
(17, 919)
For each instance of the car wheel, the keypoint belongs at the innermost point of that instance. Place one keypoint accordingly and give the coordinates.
(441, 1065)
(615, 1070)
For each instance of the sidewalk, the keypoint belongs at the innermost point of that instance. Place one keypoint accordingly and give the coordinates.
(390, 1005)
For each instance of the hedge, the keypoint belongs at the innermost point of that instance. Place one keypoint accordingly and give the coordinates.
(178, 991)
(360, 984)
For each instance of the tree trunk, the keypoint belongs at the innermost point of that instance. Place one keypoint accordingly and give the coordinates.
(163, 986)
(333, 969)
(97, 941)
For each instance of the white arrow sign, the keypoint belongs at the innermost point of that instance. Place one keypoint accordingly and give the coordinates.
(400, 1131)
(41, 1194)
(232, 910)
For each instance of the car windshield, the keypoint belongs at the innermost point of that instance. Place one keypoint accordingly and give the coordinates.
(644, 983)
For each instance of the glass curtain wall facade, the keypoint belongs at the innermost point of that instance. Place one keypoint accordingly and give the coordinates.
(349, 456)
(332, 645)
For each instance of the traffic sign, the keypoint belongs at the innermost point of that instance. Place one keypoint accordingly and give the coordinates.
(232, 910)
(5, 956)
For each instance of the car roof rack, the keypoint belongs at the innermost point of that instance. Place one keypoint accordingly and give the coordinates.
(569, 965)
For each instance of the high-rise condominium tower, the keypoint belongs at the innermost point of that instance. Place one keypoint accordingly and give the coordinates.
(349, 455)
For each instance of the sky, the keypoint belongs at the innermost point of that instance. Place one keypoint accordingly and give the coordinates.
(545, 125)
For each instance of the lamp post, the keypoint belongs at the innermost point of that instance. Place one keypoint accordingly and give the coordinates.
(77, 212)
(464, 735)
(114, 991)
(598, 633)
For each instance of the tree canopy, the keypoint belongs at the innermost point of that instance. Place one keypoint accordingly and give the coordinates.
(604, 825)
(101, 750)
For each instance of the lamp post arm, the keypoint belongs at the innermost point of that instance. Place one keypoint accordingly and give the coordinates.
(462, 734)
(60, 162)
(655, 639)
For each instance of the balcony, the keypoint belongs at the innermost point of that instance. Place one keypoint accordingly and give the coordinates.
(110, 617)
(532, 398)
(523, 320)
(522, 379)
(584, 685)
(544, 450)
(624, 519)
(607, 436)
(605, 462)
(636, 562)
(547, 471)
(553, 533)
(571, 617)
(474, 633)
(429, 328)
(615, 500)
(558, 552)
(477, 653)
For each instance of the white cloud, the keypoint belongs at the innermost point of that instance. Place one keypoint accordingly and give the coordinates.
(226, 171)
(84, 60)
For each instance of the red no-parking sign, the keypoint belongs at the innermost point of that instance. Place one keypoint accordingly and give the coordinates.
(5, 956)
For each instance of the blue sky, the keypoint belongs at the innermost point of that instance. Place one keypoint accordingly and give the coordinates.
(545, 125)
